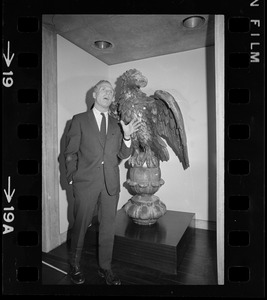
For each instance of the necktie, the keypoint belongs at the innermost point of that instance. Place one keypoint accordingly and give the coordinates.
(103, 128)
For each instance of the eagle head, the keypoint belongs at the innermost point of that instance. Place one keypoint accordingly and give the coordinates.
(133, 78)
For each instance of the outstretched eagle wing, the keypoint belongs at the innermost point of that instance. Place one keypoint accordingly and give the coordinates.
(170, 125)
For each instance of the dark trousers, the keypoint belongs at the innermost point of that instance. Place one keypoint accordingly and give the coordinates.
(87, 195)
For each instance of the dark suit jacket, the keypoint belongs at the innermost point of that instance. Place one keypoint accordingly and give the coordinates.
(85, 152)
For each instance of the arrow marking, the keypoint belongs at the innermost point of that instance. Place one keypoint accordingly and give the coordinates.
(7, 58)
(8, 196)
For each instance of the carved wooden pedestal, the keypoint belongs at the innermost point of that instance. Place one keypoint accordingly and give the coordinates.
(160, 246)
(145, 208)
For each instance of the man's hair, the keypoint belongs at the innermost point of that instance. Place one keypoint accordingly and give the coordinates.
(99, 83)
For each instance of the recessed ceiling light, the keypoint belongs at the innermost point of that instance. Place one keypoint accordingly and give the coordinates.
(193, 22)
(102, 45)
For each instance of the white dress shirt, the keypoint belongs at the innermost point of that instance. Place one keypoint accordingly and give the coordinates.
(98, 118)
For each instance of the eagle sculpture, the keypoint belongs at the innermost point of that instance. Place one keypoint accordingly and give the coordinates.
(160, 118)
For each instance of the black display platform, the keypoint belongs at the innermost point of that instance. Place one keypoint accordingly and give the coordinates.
(160, 246)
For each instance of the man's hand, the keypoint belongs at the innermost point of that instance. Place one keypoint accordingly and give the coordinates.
(130, 128)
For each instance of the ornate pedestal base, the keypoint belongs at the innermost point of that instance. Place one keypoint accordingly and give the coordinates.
(145, 209)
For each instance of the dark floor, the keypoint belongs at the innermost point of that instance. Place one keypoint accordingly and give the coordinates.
(198, 266)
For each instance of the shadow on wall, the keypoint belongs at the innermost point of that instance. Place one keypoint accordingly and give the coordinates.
(62, 167)
(89, 100)
(63, 179)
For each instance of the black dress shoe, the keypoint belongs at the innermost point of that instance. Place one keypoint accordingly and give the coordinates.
(76, 275)
(110, 277)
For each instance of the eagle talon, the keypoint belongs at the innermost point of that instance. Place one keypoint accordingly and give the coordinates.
(134, 159)
(150, 159)
(152, 162)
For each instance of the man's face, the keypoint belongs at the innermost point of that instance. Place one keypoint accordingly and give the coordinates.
(104, 95)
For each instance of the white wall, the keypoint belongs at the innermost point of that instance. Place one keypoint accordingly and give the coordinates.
(184, 75)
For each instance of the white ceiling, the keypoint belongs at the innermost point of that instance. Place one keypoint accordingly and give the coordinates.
(133, 37)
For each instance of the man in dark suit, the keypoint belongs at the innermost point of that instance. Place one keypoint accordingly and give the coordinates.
(95, 144)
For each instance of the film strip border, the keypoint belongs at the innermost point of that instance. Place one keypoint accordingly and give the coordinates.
(244, 152)
(22, 151)
(244, 125)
